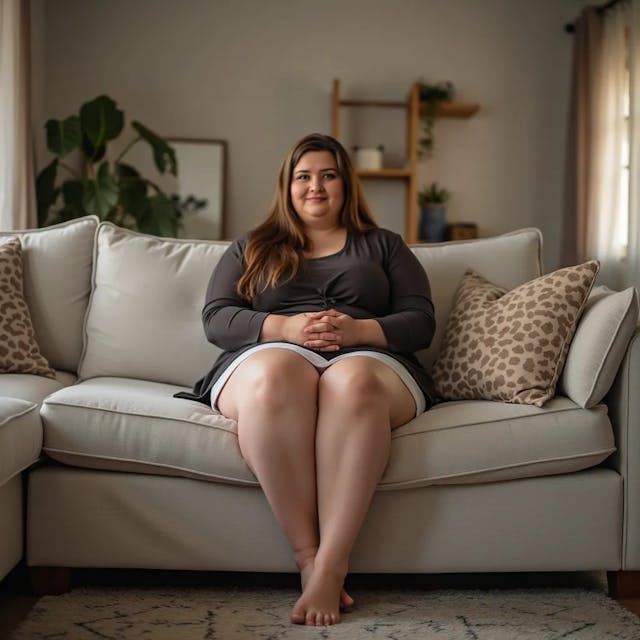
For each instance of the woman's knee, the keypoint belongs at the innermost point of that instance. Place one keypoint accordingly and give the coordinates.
(354, 384)
(270, 379)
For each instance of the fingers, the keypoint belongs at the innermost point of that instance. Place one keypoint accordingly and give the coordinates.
(323, 331)
(320, 327)
(321, 340)
(328, 313)
(319, 345)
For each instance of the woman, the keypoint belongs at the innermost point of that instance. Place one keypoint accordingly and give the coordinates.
(319, 312)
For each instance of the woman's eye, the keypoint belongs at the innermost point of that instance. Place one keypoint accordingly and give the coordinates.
(329, 176)
(302, 177)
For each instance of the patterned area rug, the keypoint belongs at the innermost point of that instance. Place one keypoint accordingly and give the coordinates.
(244, 614)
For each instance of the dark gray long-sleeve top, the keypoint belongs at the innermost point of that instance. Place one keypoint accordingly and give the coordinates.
(375, 275)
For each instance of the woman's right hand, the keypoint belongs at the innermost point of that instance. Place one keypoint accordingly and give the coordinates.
(292, 329)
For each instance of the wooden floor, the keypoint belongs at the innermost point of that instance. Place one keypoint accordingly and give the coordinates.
(16, 599)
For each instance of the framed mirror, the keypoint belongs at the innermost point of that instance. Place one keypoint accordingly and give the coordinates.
(199, 186)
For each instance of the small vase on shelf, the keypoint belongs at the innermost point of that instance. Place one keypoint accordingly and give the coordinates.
(433, 213)
(433, 223)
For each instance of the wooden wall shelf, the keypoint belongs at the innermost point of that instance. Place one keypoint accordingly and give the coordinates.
(373, 103)
(384, 173)
(452, 109)
(414, 109)
(409, 175)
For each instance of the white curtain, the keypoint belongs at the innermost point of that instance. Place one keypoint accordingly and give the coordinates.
(17, 197)
(632, 271)
(608, 199)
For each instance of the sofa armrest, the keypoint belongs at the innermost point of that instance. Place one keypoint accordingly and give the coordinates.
(623, 402)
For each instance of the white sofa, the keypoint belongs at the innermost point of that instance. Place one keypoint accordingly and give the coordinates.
(121, 474)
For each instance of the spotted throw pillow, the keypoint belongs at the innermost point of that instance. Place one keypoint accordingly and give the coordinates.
(511, 345)
(19, 351)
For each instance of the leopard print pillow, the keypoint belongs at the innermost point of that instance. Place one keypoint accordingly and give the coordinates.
(511, 345)
(19, 351)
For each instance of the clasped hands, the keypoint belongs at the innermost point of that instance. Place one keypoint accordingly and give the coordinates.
(327, 330)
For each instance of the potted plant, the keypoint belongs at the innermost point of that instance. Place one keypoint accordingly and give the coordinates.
(433, 213)
(110, 189)
(432, 95)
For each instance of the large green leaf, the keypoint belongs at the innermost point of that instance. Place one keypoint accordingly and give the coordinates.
(101, 120)
(72, 195)
(72, 191)
(161, 219)
(126, 171)
(94, 154)
(133, 197)
(46, 192)
(63, 136)
(164, 155)
(101, 195)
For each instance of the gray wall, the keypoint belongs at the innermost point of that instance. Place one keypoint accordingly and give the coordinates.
(258, 73)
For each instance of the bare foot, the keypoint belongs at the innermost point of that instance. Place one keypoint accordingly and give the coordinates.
(304, 560)
(319, 604)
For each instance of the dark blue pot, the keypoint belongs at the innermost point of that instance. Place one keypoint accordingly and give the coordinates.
(433, 223)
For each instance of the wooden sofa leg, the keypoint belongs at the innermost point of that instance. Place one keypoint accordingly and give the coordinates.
(50, 581)
(624, 584)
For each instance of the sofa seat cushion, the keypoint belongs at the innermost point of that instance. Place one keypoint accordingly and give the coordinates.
(20, 436)
(471, 441)
(33, 388)
(133, 425)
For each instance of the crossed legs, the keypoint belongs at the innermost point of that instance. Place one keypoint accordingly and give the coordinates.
(332, 434)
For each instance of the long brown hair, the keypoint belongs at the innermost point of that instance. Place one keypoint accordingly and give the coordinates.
(275, 248)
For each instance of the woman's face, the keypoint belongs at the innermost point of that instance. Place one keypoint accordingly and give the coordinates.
(317, 192)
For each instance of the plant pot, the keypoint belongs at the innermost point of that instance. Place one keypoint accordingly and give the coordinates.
(433, 223)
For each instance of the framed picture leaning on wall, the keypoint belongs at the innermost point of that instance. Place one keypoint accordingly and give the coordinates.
(200, 186)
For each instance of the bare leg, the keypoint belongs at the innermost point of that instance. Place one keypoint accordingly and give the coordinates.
(360, 400)
(273, 396)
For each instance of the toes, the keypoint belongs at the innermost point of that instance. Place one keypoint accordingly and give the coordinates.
(297, 617)
(314, 619)
(345, 600)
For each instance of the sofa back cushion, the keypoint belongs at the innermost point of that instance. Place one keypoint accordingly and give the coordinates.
(57, 279)
(508, 260)
(144, 318)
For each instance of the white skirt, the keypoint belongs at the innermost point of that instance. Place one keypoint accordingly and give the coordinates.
(320, 363)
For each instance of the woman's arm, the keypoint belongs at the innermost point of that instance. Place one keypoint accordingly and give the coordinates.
(229, 321)
(410, 324)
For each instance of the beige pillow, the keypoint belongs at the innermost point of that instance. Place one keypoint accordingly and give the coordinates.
(599, 344)
(511, 345)
(19, 351)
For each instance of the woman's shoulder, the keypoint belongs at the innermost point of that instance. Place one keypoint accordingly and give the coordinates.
(380, 236)
(242, 239)
(238, 244)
